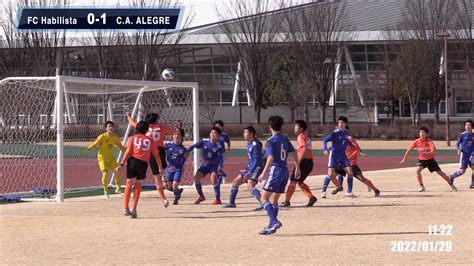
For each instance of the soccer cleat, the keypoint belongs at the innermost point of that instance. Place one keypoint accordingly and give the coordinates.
(421, 189)
(285, 204)
(377, 193)
(336, 190)
(175, 202)
(127, 212)
(217, 202)
(277, 225)
(471, 186)
(228, 205)
(106, 195)
(368, 189)
(267, 231)
(166, 203)
(199, 200)
(351, 195)
(311, 201)
(453, 187)
(323, 195)
(133, 214)
(259, 207)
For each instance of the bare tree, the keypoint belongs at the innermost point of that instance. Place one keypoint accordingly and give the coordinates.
(317, 29)
(250, 33)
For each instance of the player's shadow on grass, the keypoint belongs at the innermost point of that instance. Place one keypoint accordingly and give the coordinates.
(411, 196)
(343, 206)
(351, 234)
(205, 217)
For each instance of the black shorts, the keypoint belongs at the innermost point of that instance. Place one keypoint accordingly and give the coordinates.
(154, 166)
(431, 164)
(306, 166)
(136, 168)
(355, 171)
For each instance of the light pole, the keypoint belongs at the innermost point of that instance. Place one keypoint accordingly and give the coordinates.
(445, 36)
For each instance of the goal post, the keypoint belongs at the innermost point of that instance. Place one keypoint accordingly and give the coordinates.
(48, 122)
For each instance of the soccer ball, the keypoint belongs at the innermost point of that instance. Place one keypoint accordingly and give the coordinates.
(168, 74)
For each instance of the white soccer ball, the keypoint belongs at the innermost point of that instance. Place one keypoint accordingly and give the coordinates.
(168, 74)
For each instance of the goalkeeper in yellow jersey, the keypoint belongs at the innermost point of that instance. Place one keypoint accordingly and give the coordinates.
(106, 143)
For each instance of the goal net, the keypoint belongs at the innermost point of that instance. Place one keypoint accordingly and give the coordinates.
(46, 124)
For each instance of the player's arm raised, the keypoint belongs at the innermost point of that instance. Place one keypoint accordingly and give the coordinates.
(131, 121)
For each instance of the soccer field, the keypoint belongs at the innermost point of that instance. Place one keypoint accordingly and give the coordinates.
(337, 230)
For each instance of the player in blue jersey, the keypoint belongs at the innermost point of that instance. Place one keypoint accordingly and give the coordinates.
(223, 139)
(212, 159)
(337, 157)
(276, 149)
(176, 155)
(250, 174)
(465, 148)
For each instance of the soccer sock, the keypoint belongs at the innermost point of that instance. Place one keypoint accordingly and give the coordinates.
(233, 194)
(340, 178)
(161, 192)
(136, 194)
(456, 174)
(176, 193)
(326, 183)
(350, 183)
(270, 212)
(306, 190)
(118, 181)
(289, 192)
(199, 189)
(420, 180)
(217, 191)
(256, 194)
(128, 192)
(104, 182)
(275, 210)
(336, 182)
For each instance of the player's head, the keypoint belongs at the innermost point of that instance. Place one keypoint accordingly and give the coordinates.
(109, 126)
(151, 118)
(219, 123)
(300, 126)
(142, 127)
(214, 134)
(468, 125)
(342, 122)
(178, 136)
(424, 131)
(275, 123)
(249, 133)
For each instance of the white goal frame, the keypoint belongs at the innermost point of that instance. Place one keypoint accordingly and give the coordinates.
(141, 85)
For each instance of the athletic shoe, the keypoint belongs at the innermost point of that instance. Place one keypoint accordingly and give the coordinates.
(166, 203)
(377, 193)
(106, 195)
(175, 202)
(336, 190)
(453, 187)
(217, 202)
(323, 195)
(285, 204)
(127, 212)
(368, 189)
(311, 201)
(267, 231)
(277, 225)
(259, 207)
(133, 214)
(199, 200)
(471, 186)
(228, 205)
(421, 189)
(351, 195)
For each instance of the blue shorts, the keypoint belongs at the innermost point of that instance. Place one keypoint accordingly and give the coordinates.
(247, 175)
(276, 180)
(338, 160)
(208, 168)
(174, 174)
(465, 160)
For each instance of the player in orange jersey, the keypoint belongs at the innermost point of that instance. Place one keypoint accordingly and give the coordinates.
(305, 156)
(426, 158)
(157, 133)
(139, 150)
